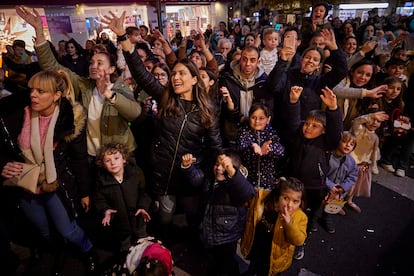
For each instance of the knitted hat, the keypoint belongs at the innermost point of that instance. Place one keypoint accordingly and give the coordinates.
(159, 252)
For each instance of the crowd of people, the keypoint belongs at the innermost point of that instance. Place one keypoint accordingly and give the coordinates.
(250, 133)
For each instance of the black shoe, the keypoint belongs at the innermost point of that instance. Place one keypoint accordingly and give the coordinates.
(313, 226)
(90, 263)
(328, 223)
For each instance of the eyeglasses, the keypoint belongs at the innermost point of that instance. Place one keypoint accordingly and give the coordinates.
(160, 75)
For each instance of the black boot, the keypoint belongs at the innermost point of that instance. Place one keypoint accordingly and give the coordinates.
(328, 223)
(90, 262)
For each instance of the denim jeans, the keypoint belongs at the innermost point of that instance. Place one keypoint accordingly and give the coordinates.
(38, 208)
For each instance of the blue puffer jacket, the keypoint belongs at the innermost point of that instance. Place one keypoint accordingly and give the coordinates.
(225, 214)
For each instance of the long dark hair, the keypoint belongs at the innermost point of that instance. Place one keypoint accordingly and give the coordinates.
(365, 61)
(169, 100)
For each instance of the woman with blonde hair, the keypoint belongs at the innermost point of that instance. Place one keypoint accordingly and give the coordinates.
(50, 133)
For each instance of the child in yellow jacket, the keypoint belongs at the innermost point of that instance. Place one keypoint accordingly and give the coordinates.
(275, 225)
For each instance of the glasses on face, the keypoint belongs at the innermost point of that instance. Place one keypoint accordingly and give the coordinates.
(160, 75)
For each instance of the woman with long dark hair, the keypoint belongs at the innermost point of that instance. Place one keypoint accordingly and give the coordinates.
(185, 123)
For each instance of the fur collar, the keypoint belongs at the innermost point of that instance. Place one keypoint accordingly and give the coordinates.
(79, 124)
(71, 121)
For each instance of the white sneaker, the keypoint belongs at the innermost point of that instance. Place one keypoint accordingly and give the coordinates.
(388, 168)
(400, 173)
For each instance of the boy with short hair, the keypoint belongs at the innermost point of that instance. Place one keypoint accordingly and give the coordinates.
(342, 174)
(311, 140)
(268, 55)
(394, 67)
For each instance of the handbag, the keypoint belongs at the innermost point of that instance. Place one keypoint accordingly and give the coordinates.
(27, 180)
(399, 127)
(29, 177)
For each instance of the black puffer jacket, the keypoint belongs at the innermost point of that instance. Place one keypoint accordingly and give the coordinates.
(174, 137)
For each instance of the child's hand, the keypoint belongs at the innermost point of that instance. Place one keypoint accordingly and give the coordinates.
(108, 213)
(227, 98)
(227, 165)
(266, 147)
(257, 149)
(295, 92)
(187, 160)
(144, 214)
(285, 214)
(380, 116)
(329, 98)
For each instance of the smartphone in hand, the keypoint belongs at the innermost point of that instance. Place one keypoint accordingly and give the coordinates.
(289, 42)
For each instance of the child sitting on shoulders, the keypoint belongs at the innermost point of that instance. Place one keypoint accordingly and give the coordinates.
(225, 212)
(268, 55)
(121, 197)
(366, 154)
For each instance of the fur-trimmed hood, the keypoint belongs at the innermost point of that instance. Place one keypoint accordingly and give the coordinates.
(71, 120)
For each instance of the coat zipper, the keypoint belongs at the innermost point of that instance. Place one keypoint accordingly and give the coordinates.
(177, 144)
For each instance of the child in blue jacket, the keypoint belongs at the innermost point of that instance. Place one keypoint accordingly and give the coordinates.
(225, 212)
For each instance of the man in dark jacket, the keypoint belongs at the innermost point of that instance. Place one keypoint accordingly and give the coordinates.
(246, 84)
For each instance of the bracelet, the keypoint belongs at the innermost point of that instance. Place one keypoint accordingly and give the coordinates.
(123, 37)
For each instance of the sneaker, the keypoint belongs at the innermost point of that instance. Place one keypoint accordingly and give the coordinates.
(354, 207)
(388, 168)
(400, 173)
(299, 252)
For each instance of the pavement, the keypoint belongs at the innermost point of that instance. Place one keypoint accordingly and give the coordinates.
(188, 258)
(402, 185)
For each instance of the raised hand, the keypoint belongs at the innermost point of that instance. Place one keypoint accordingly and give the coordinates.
(34, 19)
(295, 92)
(329, 98)
(187, 160)
(380, 116)
(329, 36)
(227, 164)
(115, 23)
(227, 98)
(31, 17)
(377, 92)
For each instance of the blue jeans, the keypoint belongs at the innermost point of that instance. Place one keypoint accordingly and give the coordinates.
(39, 207)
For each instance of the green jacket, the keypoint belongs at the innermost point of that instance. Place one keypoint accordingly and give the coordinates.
(114, 117)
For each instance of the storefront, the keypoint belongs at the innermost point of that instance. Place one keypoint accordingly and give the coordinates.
(350, 11)
(80, 22)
